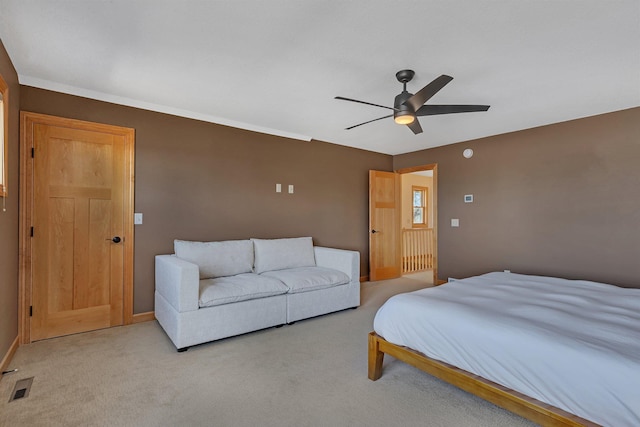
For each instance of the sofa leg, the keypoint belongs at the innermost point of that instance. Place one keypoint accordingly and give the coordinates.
(183, 349)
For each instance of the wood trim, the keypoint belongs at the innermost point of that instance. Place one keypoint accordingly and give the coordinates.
(420, 168)
(129, 190)
(434, 168)
(6, 360)
(364, 279)
(518, 403)
(143, 317)
(4, 89)
(27, 119)
(424, 207)
(25, 221)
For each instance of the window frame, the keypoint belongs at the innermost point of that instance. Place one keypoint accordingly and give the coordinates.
(4, 134)
(425, 195)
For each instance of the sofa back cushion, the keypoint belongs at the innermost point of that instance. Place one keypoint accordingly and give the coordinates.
(278, 254)
(217, 259)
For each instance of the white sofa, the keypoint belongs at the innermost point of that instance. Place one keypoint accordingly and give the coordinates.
(212, 290)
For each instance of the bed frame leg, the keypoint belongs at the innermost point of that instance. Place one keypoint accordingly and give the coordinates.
(376, 357)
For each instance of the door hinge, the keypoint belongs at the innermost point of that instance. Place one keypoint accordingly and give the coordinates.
(32, 152)
(31, 231)
(30, 311)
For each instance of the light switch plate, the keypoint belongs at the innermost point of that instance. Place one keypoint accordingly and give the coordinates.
(278, 188)
(290, 188)
(455, 222)
(137, 218)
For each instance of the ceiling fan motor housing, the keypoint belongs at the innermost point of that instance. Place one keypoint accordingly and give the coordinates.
(402, 109)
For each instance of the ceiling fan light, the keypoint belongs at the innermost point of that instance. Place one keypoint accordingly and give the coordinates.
(404, 118)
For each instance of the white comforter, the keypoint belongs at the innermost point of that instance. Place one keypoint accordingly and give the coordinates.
(572, 344)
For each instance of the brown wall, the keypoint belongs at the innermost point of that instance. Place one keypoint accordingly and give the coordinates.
(201, 181)
(9, 218)
(558, 200)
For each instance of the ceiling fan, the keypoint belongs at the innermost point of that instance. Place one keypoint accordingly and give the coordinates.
(407, 107)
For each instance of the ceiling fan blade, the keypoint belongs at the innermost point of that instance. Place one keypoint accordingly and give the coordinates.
(415, 126)
(374, 120)
(431, 110)
(424, 94)
(363, 102)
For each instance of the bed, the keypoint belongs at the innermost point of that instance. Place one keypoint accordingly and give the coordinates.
(556, 351)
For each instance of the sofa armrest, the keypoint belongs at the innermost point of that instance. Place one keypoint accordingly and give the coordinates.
(339, 259)
(178, 281)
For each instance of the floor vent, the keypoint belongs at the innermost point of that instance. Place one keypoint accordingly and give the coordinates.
(21, 389)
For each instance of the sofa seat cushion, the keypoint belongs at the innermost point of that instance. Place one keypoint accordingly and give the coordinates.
(242, 287)
(303, 279)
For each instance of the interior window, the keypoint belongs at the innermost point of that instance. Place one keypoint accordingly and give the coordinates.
(4, 119)
(419, 206)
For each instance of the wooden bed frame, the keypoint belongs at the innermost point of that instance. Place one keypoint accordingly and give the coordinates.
(518, 403)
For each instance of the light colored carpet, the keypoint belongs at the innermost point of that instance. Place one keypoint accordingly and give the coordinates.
(312, 373)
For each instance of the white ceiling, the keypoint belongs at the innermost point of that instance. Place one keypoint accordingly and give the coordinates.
(275, 66)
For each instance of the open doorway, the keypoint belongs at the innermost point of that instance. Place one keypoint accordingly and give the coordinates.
(386, 223)
(416, 218)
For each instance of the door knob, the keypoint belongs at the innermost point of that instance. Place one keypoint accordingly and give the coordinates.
(116, 239)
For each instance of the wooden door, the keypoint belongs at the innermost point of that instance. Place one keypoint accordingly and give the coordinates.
(384, 225)
(81, 204)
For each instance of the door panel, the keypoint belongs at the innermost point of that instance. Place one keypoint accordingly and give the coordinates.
(60, 247)
(384, 225)
(79, 204)
(99, 271)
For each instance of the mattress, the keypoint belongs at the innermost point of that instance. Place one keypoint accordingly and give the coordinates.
(569, 343)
